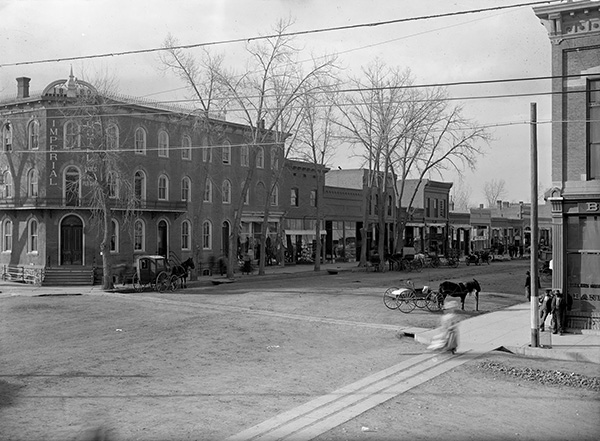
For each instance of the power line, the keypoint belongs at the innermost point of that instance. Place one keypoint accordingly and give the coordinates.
(286, 34)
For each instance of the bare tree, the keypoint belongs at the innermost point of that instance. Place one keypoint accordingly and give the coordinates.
(461, 195)
(494, 191)
(93, 139)
(316, 141)
(407, 133)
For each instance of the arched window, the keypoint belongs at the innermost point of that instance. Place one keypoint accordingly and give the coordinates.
(139, 185)
(207, 154)
(226, 153)
(72, 135)
(185, 189)
(7, 137)
(114, 236)
(32, 183)
(72, 186)
(113, 185)
(140, 141)
(244, 156)
(7, 229)
(139, 235)
(260, 158)
(186, 148)
(33, 135)
(274, 158)
(226, 192)
(163, 144)
(8, 184)
(163, 188)
(112, 137)
(185, 235)
(32, 236)
(208, 191)
(206, 235)
(275, 196)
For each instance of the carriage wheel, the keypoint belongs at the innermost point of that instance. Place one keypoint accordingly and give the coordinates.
(421, 302)
(389, 299)
(406, 301)
(435, 301)
(162, 282)
(173, 282)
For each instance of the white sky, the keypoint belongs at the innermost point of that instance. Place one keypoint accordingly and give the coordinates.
(490, 45)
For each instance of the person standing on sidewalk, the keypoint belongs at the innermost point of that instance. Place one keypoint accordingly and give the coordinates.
(559, 312)
(545, 308)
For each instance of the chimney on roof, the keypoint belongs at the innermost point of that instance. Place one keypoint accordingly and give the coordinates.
(23, 87)
(499, 204)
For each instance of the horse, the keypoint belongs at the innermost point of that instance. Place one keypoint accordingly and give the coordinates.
(181, 271)
(461, 290)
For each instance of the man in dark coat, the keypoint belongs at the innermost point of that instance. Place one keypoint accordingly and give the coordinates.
(559, 312)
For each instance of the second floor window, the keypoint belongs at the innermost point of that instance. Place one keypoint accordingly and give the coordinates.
(313, 198)
(112, 137)
(260, 158)
(206, 154)
(226, 192)
(7, 178)
(294, 197)
(32, 183)
(185, 189)
(163, 144)
(163, 188)
(139, 185)
(208, 191)
(113, 190)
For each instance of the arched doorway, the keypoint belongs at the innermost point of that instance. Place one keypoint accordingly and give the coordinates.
(71, 241)
(162, 245)
(225, 238)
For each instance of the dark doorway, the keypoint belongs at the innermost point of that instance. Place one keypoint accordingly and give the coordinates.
(71, 241)
(162, 239)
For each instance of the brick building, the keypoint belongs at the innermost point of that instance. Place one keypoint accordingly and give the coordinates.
(185, 174)
(574, 32)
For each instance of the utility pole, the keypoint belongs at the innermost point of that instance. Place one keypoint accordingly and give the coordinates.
(535, 316)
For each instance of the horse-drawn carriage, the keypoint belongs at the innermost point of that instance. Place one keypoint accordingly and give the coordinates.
(154, 272)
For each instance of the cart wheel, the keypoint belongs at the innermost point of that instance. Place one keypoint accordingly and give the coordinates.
(162, 282)
(406, 301)
(173, 283)
(453, 263)
(434, 301)
(389, 299)
(421, 302)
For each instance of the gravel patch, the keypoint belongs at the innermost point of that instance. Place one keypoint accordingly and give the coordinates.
(542, 376)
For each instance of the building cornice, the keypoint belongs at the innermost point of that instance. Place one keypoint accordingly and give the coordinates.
(570, 20)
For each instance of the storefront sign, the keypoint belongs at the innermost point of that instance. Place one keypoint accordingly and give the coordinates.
(53, 146)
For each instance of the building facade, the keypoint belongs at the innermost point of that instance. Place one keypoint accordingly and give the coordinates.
(574, 33)
(184, 173)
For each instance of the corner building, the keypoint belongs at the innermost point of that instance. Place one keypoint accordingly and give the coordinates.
(186, 171)
(574, 32)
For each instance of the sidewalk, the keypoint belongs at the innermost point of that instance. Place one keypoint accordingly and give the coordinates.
(508, 329)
